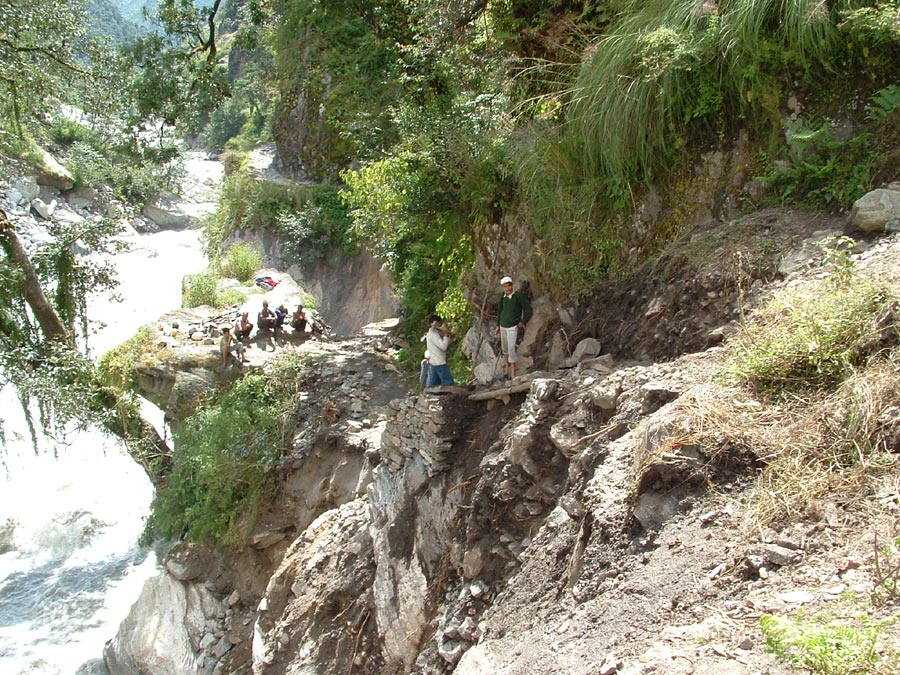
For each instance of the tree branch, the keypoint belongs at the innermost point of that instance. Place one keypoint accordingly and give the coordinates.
(47, 318)
(144, 443)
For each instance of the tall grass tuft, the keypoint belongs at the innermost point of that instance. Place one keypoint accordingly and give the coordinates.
(669, 72)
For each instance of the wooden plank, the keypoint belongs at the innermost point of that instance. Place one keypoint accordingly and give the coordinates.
(501, 392)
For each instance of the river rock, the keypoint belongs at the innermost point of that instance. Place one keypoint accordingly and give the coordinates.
(42, 208)
(82, 198)
(187, 561)
(66, 216)
(166, 211)
(7, 536)
(158, 634)
(52, 173)
(25, 190)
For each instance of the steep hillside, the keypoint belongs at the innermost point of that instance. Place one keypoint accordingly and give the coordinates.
(594, 516)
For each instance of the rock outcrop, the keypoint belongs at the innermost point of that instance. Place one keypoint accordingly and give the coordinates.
(579, 519)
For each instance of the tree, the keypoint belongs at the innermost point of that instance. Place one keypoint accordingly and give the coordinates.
(37, 47)
(41, 306)
(176, 73)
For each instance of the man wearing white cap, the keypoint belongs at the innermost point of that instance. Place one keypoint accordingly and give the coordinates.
(513, 313)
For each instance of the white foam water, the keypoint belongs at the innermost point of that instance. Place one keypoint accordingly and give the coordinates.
(71, 511)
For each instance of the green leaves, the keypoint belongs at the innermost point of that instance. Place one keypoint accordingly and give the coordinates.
(822, 645)
(37, 54)
(225, 454)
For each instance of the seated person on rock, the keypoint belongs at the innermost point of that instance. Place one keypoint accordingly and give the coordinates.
(281, 313)
(228, 345)
(265, 320)
(243, 327)
(298, 320)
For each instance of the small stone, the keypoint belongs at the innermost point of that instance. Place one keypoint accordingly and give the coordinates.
(708, 517)
(779, 555)
(478, 589)
(234, 598)
(452, 651)
(571, 506)
(222, 647)
(797, 597)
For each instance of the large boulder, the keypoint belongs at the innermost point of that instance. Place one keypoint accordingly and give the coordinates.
(167, 212)
(875, 209)
(158, 634)
(51, 173)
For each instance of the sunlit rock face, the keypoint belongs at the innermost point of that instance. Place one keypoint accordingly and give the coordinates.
(164, 630)
(350, 291)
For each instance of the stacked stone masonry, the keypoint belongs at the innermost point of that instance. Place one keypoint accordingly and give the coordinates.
(419, 425)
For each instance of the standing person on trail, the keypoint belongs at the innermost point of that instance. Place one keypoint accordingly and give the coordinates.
(437, 339)
(424, 370)
(512, 315)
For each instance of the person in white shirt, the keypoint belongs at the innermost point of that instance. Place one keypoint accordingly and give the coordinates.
(438, 341)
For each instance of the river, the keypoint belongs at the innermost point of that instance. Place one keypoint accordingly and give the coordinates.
(71, 512)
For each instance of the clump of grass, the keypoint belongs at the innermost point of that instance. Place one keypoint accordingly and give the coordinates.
(814, 336)
(202, 289)
(823, 645)
(668, 80)
(240, 261)
(810, 447)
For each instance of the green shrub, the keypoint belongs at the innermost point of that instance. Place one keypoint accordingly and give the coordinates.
(821, 645)
(240, 261)
(65, 131)
(229, 297)
(813, 337)
(225, 454)
(199, 289)
(224, 458)
(202, 289)
(117, 366)
(823, 172)
(321, 223)
(130, 179)
(671, 79)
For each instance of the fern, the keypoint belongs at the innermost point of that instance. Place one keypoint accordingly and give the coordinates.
(884, 102)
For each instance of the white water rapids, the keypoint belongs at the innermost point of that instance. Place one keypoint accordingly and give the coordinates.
(76, 509)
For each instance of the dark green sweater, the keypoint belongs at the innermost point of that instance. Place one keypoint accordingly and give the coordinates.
(513, 310)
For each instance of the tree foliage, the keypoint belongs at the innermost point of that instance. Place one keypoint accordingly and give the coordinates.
(177, 75)
(38, 43)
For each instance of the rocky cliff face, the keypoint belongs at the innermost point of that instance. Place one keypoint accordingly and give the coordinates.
(568, 521)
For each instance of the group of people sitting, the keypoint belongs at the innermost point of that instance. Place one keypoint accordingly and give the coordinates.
(233, 339)
(269, 320)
